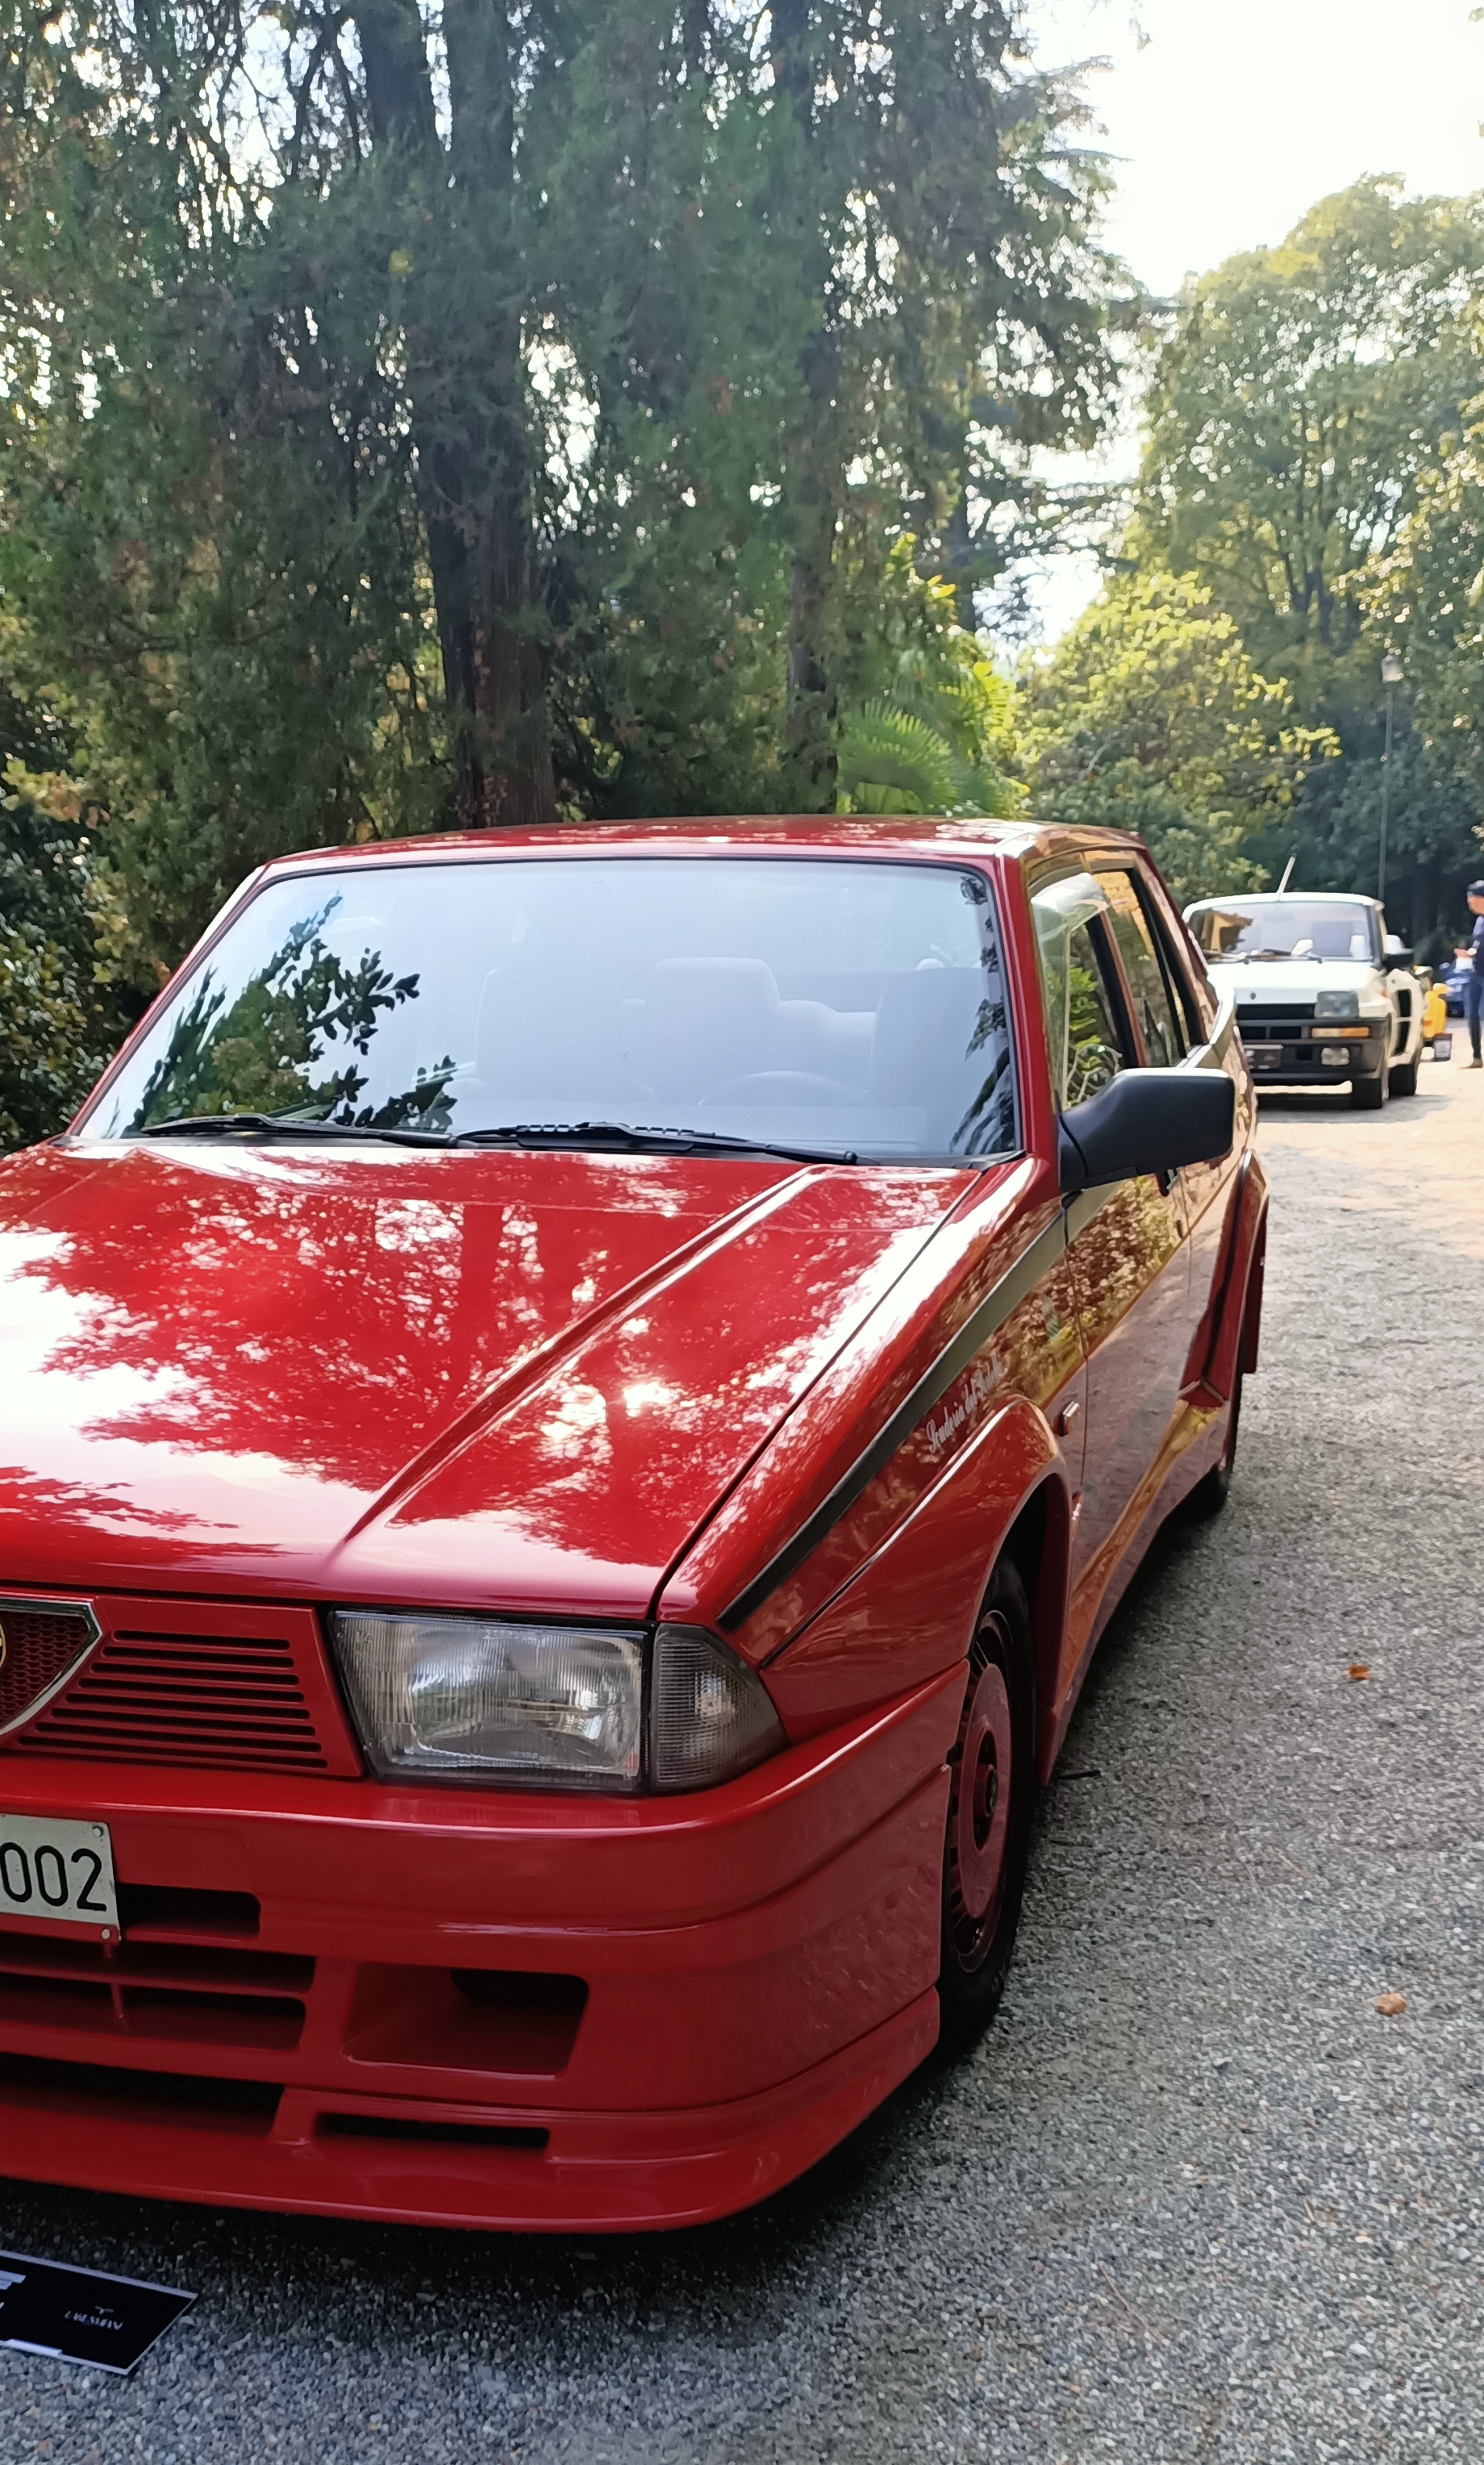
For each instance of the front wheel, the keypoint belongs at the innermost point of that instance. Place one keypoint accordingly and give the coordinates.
(1403, 1078)
(989, 1810)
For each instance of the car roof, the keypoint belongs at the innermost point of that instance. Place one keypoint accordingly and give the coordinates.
(832, 834)
(1301, 897)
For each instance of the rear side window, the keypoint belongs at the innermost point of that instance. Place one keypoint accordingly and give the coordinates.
(1194, 1000)
(1085, 1026)
(1155, 1006)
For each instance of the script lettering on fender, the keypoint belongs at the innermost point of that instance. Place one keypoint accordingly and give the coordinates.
(963, 1402)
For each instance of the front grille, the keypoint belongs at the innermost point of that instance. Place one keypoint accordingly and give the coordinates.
(192, 2033)
(171, 1699)
(165, 1994)
(104, 2092)
(40, 1644)
(219, 1686)
(1251, 1014)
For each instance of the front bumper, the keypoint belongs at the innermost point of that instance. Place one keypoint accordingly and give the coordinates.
(482, 2009)
(1302, 1063)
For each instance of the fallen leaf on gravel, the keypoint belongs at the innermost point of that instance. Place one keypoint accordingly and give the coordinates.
(1390, 2004)
(1359, 1669)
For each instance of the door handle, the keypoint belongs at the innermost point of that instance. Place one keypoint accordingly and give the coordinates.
(1065, 1417)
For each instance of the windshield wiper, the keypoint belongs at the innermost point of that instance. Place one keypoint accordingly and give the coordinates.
(639, 1141)
(513, 1134)
(283, 1126)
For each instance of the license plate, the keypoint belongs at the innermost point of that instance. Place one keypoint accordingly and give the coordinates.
(1264, 1056)
(59, 1873)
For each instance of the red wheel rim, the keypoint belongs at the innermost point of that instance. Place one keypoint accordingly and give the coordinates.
(979, 1813)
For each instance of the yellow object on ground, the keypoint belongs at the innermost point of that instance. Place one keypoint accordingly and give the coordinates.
(1435, 1013)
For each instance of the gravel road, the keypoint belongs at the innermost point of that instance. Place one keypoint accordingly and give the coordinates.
(1193, 2198)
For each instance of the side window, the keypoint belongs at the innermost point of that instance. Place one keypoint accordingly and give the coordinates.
(1188, 978)
(1154, 1004)
(1083, 1011)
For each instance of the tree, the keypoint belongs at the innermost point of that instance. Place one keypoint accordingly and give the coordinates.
(506, 410)
(1149, 716)
(1303, 412)
(61, 1003)
(960, 306)
(206, 509)
(1292, 413)
(1427, 597)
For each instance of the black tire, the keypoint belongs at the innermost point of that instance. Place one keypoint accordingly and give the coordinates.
(1214, 1489)
(987, 1840)
(1403, 1078)
(1368, 1095)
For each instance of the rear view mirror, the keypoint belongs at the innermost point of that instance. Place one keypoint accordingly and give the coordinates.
(1398, 955)
(1146, 1120)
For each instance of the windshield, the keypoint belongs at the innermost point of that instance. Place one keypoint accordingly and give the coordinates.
(843, 1002)
(1285, 928)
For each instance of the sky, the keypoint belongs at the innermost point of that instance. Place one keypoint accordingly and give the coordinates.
(1226, 123)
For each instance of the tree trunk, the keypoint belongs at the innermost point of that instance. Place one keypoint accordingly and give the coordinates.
(958, 557)
(465, 300)
(816, 475)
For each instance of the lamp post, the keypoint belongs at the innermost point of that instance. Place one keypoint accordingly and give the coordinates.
(1390, 677)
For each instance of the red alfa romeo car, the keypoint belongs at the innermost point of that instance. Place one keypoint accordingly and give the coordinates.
(573, 1407)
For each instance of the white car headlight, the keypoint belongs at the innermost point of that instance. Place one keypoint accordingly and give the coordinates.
(476, 1698)
(441, 1697)
(1336, 1004)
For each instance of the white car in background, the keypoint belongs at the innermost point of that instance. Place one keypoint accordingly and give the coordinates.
(1324, 993)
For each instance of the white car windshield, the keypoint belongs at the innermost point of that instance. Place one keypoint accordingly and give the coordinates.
(833, 1003)
(1285, 928)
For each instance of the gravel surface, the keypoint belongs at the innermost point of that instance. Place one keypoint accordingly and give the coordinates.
(1194, 2198)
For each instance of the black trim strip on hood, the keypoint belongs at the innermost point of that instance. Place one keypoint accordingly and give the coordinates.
(998, 1304)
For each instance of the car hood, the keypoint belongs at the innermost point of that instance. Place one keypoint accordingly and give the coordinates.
(392, 1374)
(1298, 980)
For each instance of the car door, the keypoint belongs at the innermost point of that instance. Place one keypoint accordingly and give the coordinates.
(1126, 1242)
(1167, 1024)
(1208, 1188)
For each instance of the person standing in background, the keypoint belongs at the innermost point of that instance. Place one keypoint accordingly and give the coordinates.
(1474, 984)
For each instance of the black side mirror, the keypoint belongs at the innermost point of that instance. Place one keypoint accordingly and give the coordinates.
(1146, 1120)
(1400, 957)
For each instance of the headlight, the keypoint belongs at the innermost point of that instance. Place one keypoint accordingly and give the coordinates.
(1336, 1004)
(482, 1699)
(472, 1699)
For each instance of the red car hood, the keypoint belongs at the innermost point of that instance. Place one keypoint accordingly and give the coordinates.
(383, 1373)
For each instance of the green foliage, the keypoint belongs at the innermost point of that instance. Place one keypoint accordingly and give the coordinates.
(61, 1005)
(212, 538)
(46, 1065)
(928, 723)
(1292, 412)
(1307, 458)
(1426, 596)
(1150, 717)
(893, 762)
(267, 1051)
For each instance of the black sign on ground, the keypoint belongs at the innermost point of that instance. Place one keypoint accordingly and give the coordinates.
(79, 2315)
